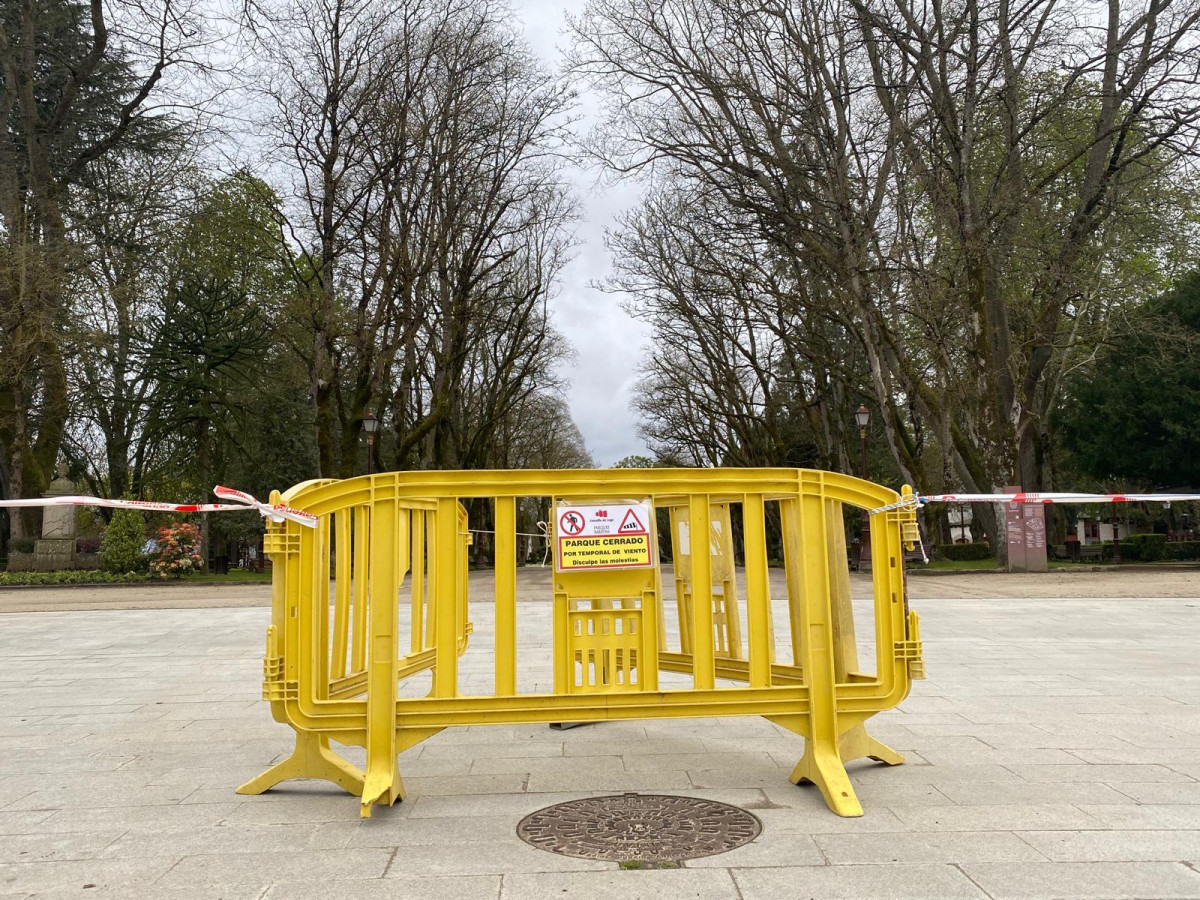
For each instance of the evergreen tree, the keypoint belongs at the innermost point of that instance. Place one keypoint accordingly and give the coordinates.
(1132, 415)
(121, 546)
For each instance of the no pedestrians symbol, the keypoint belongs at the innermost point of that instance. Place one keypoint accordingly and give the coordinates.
(571, 522)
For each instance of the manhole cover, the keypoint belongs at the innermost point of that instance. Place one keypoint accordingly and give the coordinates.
(639, 828)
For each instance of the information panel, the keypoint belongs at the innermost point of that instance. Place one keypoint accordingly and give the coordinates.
(603, 536)
(1025, 524)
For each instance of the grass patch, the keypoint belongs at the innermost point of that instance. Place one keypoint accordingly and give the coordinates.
(235, 576)
(954, 565)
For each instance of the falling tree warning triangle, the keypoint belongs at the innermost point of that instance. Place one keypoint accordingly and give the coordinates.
(631, 523)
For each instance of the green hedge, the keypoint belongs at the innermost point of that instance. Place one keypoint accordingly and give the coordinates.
(1182, 550)
(70, 576)
(964, 551)
(1144, 547)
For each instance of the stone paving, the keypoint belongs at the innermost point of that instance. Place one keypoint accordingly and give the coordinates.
(1053, 752)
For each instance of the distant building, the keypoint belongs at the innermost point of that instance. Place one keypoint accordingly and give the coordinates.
(960, 523)
(1093, 531)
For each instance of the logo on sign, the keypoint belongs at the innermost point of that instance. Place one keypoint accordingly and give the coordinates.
(631, 523)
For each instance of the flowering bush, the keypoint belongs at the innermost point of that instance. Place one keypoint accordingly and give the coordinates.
(178, 551)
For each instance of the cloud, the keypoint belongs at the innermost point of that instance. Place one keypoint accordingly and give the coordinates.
(609, 344)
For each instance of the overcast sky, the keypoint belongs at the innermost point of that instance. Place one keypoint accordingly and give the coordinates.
(608, 343)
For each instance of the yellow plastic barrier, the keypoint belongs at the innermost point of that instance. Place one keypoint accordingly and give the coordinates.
(334, 660)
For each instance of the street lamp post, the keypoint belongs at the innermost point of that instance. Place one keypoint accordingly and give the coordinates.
(863, 417)
(370, 425)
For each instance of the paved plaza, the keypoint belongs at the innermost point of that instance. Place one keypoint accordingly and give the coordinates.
(1054, 751)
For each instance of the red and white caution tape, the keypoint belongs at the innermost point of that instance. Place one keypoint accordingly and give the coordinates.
(918, 499)
(276, 512)
(244, 502)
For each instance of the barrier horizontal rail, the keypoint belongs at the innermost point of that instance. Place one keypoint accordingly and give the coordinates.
(376, 593)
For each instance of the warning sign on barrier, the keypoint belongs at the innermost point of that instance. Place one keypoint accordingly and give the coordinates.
(603, 536)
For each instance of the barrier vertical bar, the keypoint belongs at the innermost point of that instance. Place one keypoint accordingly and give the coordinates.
(431, 580)
(793, 564)
(293, 598)
(805, 530)
(758, 589)
(462, 549)
(304, 611)
(652, 629)
(845, 646)
(382, 783)
(321, 585)
(683, 572)
(362, 529)
(702, 608)
(445, 590)
(506, 595)
(564, 659)
(417, 598)
(652, 624)
(341, 591)
(725, 571)
(887, 555)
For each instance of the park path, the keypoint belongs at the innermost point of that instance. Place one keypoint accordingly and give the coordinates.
(1052, 753)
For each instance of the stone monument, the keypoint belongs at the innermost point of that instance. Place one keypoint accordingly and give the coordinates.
(56, 548)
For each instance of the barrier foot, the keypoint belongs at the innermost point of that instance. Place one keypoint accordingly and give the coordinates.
(822, 763)
(857, 744)
(823, 767)
(312, 758)
(382, 788)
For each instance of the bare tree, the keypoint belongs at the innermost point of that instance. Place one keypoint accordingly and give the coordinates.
(325, 65)
(748, 363)
(946, 182)
(1032, 132)
(425, 144)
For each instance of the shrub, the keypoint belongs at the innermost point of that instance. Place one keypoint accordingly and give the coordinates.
(121, 546)
(178, 551)
(21, 545)
(1144, 547)
(87, 545)
(68, 576)
(1182, 550)
(1106, 551)
(964, 551)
